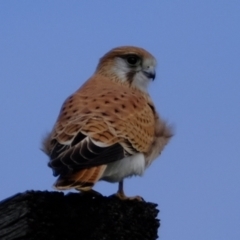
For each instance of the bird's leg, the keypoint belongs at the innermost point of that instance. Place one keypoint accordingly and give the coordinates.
(121, 195)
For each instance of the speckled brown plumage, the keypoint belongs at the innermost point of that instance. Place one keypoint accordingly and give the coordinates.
(107, 115)
(106, 120)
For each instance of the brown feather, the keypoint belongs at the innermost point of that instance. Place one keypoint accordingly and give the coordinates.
(82, 180)
(103, 121)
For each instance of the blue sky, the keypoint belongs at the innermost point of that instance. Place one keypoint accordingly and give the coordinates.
(49, 48)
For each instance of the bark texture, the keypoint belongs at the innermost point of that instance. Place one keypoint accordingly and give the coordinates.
(36, 215)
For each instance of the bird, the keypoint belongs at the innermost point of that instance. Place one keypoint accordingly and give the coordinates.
(109, 129)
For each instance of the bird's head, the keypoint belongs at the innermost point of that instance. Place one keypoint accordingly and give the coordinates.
(128, 64)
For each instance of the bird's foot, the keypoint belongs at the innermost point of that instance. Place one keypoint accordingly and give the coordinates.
(122, 196)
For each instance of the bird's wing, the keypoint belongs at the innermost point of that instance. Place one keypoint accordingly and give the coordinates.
(98, 125)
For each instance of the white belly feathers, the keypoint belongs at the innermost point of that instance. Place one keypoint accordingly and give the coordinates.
(126, 167)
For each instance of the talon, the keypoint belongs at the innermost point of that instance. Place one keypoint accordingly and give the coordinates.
(122, 196)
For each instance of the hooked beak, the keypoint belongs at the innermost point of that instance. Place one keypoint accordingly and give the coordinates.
(150, 72)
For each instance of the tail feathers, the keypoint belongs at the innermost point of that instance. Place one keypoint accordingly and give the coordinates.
(82, 180)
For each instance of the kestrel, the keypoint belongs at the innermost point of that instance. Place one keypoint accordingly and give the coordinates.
(109, 128)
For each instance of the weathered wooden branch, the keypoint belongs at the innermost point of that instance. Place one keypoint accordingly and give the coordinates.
(36, 215)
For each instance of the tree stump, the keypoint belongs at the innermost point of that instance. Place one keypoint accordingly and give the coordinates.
(36, 215)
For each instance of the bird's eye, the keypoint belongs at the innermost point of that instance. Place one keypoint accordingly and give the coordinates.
(132, 59)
